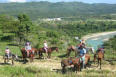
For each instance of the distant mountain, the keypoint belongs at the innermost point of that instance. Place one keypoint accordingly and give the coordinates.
(60, 9)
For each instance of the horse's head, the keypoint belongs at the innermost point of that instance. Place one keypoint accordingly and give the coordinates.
(57, 49)
(22, 49)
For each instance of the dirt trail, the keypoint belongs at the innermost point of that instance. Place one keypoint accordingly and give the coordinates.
(52, 64)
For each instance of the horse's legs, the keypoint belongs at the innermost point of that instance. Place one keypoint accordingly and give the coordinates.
(76, 68)
(100, 63)
(39, 55)
(24, 59)
(103, 55)
(12, 60)
(49, 55)
(68, 54)
(94, 58)
(89, 64)
(4, 60)
(31, 57)
(75, 53)
(63, 69)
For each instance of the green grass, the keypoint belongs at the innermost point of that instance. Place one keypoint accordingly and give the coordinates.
(33, 71)
(16, 71)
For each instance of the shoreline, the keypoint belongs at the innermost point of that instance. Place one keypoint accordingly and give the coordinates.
(96, 35)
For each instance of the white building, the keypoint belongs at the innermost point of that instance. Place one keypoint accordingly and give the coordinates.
(52, 19)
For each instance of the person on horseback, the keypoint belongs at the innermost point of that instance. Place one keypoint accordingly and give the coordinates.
(46, 46)
(82, 43)
(28, 48)
(7, 52)
(82, 54)
(100, 49)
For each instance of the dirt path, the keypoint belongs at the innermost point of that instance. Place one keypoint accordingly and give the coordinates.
(52, 64)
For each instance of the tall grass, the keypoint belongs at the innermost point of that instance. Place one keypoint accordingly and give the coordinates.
(16, 71)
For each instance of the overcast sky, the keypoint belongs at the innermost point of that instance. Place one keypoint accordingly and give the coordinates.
(86, 1)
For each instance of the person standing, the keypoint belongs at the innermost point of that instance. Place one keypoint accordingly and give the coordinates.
(7, 52)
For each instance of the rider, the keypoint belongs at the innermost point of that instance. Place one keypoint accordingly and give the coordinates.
(82, 43)
(82, 54)
(46, 46)
(28, 48)
(101, 49)
(7, 52)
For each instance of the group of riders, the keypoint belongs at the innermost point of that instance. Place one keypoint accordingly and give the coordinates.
(81, 47)
(28, 49)
(83, 50)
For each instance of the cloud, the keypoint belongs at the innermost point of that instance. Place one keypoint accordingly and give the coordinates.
(16, 0)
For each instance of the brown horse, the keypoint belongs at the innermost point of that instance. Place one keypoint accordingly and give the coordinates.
(99, 56)
(76, 62)
(71, 61)
(69, 50)
(31, 54)
(76, 50)
(50, 50)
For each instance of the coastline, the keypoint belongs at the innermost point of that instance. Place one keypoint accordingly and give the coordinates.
(97, 35)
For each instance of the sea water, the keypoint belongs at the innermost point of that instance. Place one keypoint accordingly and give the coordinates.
(96, 42)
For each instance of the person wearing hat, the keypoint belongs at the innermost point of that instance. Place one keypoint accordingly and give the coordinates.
(28, 48)
(82, 43)
(82, 55)
(7, 52)
(46, 46)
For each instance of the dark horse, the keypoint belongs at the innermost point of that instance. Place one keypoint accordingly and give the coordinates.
(31, 54)
(99, 56)
(50, 50)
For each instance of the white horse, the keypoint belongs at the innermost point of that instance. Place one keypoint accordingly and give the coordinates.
(88, 49)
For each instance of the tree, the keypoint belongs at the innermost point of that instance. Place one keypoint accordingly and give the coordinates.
(24, 27)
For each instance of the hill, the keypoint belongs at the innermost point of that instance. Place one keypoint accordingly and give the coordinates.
(60, 9)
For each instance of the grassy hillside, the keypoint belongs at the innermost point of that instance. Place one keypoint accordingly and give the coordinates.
(60, 9)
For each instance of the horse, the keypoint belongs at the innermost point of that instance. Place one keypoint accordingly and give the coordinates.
(71, 61)
(76, 62)
(99, 55)
(11, 57)
(70, 49)
(90, 49)
(76, 50)
(49, 51)
(31, 54)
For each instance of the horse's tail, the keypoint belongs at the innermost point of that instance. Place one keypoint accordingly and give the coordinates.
(95, 58)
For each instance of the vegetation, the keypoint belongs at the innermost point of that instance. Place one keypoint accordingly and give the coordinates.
(17, 28)
(60, 9)
(111, 48)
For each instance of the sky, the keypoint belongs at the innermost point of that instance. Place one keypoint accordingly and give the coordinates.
(86, 1)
